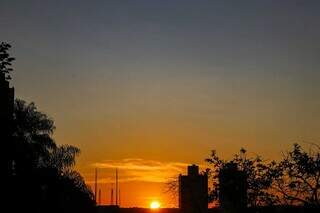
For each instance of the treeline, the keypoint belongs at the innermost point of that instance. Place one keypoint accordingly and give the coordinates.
(39, 176)
(295, 180)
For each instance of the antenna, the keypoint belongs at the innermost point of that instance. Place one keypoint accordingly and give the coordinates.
(117, 186)
(107, 192)
(95, 184)
(119, 197)
(111, 194)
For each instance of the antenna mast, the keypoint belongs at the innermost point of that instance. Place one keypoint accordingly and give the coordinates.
(95, 184)
(111, 194)
(117, 186)
(119, 197)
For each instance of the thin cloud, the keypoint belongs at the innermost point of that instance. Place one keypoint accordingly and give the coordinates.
(137, 169)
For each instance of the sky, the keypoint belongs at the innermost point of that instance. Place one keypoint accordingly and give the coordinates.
(150, 86)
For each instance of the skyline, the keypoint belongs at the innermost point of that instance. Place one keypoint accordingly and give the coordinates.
(162, 83)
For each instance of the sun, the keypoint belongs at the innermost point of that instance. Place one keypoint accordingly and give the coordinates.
(154, 205)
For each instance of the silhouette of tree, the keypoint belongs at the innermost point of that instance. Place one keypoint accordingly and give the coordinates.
(172, 188)
(53, 185)
(40, 176)
(5, 59)
(73, 194)
(32, 136)
(61, 158)
(259, 177)
(298, 176)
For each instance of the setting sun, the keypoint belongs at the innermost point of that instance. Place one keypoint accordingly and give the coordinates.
(154, 205)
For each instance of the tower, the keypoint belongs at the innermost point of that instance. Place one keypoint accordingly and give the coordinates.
(193, 191)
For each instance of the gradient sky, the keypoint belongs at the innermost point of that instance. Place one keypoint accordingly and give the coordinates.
(151, 86)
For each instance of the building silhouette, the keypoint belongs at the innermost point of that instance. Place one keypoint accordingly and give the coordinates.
(6, 116)
(233, 188)
(6, 140)
(193, 191)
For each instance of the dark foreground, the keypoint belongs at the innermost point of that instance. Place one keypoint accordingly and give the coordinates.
(278, 209)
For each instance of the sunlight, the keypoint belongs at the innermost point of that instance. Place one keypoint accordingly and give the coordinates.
(154, 205)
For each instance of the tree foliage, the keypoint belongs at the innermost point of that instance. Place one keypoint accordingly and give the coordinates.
(39, 171)
(53, 185)
(258, 175)
(297, 176)
(295, 180)
(61, 158)
(32, 133)
(5, 59)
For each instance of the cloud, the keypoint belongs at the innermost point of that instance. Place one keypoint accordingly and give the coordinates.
(136, 169)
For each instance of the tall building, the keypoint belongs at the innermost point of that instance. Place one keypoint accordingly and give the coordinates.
(6, 115)
(233, 188)
(6, 142)
(193, 191)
